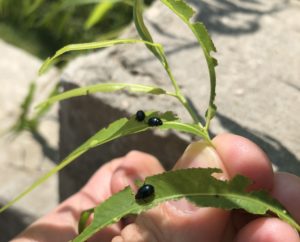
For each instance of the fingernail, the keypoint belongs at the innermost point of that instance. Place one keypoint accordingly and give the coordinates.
(197, 154)
(201, 154)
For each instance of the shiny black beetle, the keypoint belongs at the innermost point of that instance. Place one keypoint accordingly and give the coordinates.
(145, 192)
(154, 121)
(140, 116)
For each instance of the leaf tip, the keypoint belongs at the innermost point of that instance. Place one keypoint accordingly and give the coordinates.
(44, 66)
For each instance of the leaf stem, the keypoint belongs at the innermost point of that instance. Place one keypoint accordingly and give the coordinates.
(185, 103)
(179, 95)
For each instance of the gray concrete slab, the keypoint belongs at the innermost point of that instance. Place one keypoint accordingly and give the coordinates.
(22, 159)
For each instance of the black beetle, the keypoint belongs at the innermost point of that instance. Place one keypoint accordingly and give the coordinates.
(144, 192)
(154, 121)
(140, 115)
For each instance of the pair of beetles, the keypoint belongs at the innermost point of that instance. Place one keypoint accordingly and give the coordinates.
(153, 121)
(147, 190)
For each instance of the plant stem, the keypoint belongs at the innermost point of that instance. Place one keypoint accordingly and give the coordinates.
(180, 97)
(163, 59)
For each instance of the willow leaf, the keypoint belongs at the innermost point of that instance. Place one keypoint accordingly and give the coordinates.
(66, 4)
(89, 46)
(103, 87)
(117, 129)
(187, 128)
(185, 12)
(72, 3)
(197, 185)
(101, 9)
(144, 32)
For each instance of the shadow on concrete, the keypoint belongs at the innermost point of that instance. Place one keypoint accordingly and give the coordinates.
(220, 17)
(280, 155)
(292, 85)
(224, 16)
(48, 151)
(212, 14)
(12, 222)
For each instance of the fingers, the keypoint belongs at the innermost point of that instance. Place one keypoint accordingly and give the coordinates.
(61, 224)
(135, 166)
(234, 155)
(241, 156)
(193, 223)
(181, 221)
(267, 230)
(286, 190)
(98, 186)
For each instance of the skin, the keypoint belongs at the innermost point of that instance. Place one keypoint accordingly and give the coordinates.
(179, 221)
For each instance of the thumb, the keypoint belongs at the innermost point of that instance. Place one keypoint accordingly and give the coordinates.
(180, 220)
(201, 154)
(212, 221)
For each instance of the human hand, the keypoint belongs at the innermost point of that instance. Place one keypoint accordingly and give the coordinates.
(179, 221)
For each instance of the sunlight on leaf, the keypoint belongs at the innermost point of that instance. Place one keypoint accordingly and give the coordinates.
(73, 3)
(89, 46)
(187, 128)
(144, 32)
(197, 185)
(101, 9)
(103, 87)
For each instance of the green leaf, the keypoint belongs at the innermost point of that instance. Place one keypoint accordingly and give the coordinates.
(144, 32)
(139, 22)
(103, 87)
(89, 46)
(185, 12)
(84, 216)
(32, 6)
(187, 128)
(66, 4)
(117, 129)
(197, 185)
(101, 9)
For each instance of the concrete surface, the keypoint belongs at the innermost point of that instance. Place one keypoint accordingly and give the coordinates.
(257, 91)
(22, 159)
